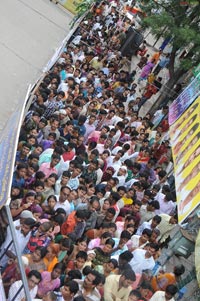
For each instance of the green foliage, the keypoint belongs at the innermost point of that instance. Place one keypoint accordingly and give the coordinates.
(83, 7)
(182, 23)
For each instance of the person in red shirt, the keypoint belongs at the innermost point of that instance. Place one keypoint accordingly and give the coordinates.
(150, 90)
(69, 153)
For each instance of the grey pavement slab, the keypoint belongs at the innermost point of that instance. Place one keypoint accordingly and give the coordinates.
(30, 32)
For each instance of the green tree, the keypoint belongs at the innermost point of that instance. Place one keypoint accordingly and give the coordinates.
(170, 18)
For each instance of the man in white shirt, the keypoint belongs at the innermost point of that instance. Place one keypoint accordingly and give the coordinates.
(22, 233)
(62, 201)
(168, 295)
(87, 287)
(115, 161)
(143, 259)
(90, 127)
(33, 279)
(149, 225)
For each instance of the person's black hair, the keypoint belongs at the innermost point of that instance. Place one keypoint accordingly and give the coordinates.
(135, 293)
(103, 279)
(155, 204)
(20, 194)
(81, 187)
(137, 166)
(129, 217)
(106, 235)
(58, 266)
(28, 145)
(39, 175)
(147, 231)
(130, 226)
(34, 273)
(86, 270)
(125, 234)
(59, 219)
(82, 214)
(171, 289)
(34, 166)
(66, 173)
(137, 184)
(78, 160)
(55, 156)
(110, 242)
(93, 199)
(111, 210)
(157, 218)
(129, 275)
(83, 238)
(106, 127)
(97, 276)
(43, 251)
(66, 242)
(33, 156)
(53, 175)
(30, 193)
(120, 124)
(144, 175)
(179, 270)
(137, 202)
(153, 246)
(60, 211)
(22, 165)
(128, 163)
(146, 285)
(61, 93)
(169, 196)
(112, 225)
(114, 262)
(74, 274)
(81, 254)
(123, 188)
(79, 166)
(144, 184)
(127, 255)
(52, 134)
(156, 187)
(58, 150)
(151, 162)
(30, 222)
(73, 286)
(147, 192)
(165, 189)
(115, 196)
(65, 187)
(126, 146)
(94, 162)
(162, 173)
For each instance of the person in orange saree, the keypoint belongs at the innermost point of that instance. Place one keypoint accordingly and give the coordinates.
(162, 280)
(51, 258)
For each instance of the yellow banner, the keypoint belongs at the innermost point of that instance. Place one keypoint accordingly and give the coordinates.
(185, 134)
(70, 5)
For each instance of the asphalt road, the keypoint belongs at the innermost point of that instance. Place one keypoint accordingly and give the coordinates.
(30, 32)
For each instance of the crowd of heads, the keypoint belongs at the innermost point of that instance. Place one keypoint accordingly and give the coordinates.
(91, 198)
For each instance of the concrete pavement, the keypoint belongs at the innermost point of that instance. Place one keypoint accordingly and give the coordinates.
(30, 32)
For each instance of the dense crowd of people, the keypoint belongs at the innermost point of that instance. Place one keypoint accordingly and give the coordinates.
(92, 199)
